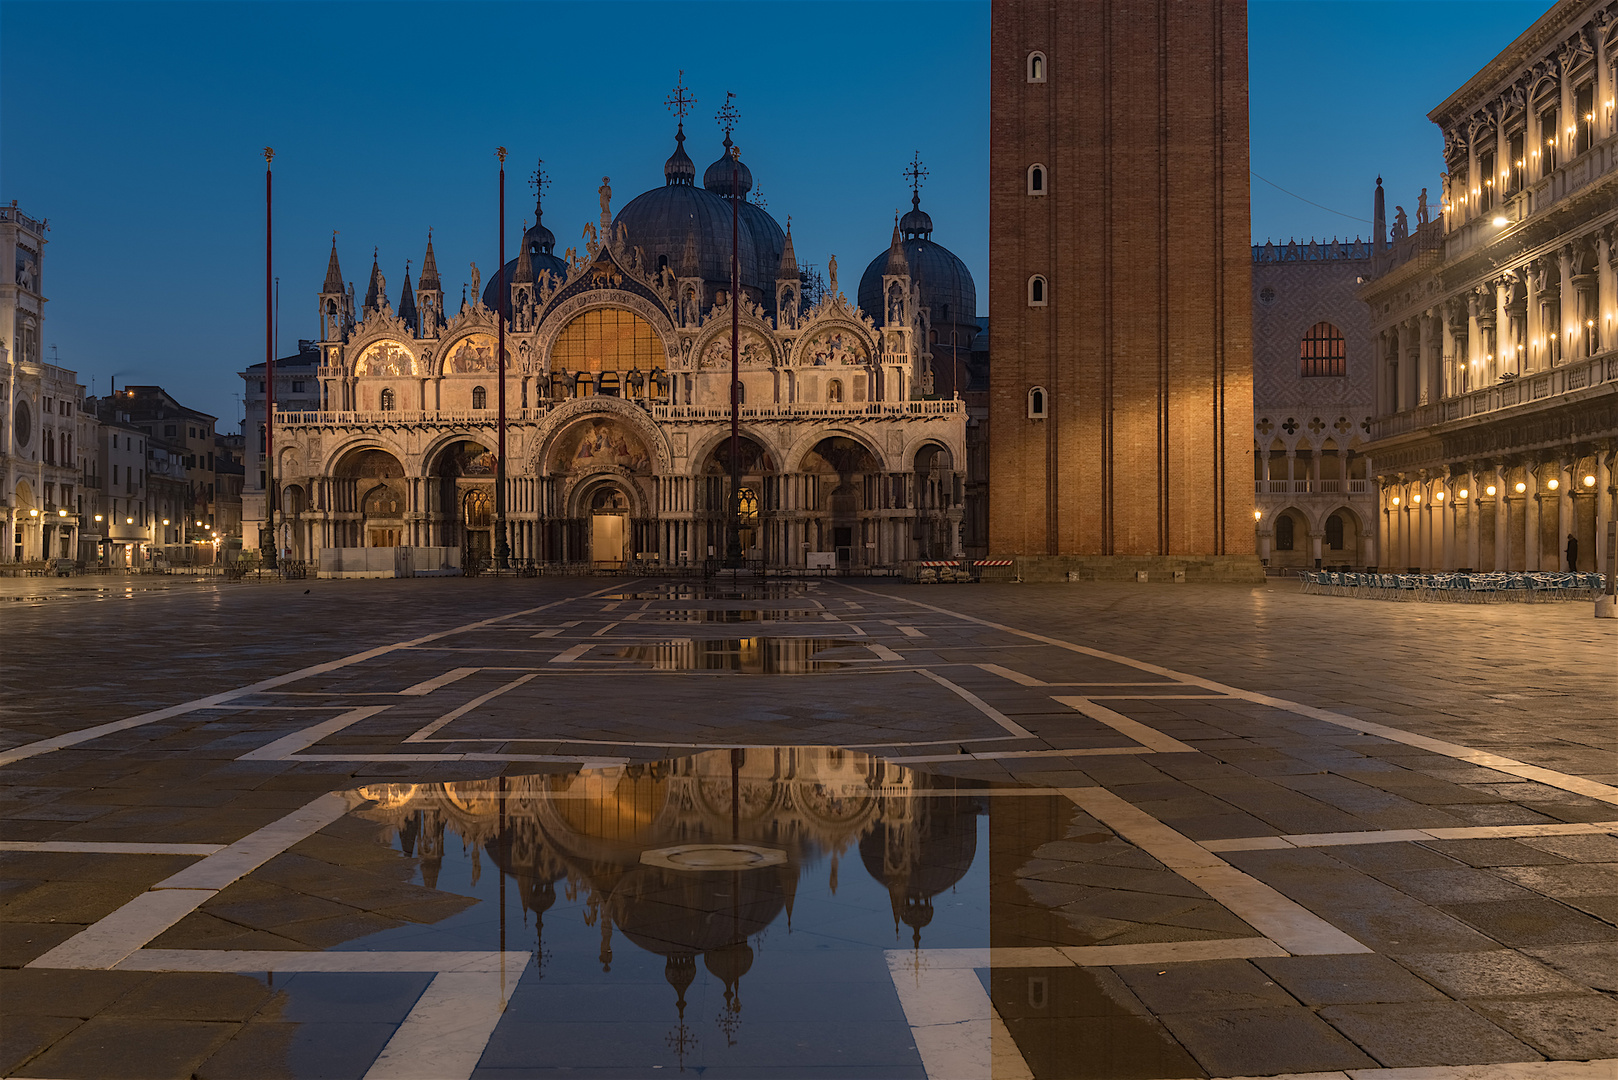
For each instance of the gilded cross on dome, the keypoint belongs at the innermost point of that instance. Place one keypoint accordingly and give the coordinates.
(538, 180)
(916, 172)
(728, 115)
(680, 100)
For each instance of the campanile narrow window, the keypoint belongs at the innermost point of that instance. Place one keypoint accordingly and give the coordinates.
(1037, 402)
(1036, 67)
(1036, 179)
(1036, 291)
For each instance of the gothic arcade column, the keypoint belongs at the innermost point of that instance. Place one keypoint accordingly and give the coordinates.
(1605, 478)
(1530, 516)
(1566, 479)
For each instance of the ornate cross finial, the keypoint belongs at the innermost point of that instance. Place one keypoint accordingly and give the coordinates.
(680, 100)
(334, 238)
(538, 180)
(375, 251)
(916, 172)
(728, 114)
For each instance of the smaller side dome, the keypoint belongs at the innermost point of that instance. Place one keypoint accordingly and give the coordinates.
(728, 179)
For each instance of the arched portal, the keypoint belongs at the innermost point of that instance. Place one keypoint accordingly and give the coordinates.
(938, 501)
(757, 472)
(602, 468)
(368, 484)
(845, 478)
(463, 485)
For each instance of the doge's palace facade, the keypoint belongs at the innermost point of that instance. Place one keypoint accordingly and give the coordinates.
(617, 391)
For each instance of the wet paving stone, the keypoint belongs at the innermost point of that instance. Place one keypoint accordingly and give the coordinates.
(768, 833)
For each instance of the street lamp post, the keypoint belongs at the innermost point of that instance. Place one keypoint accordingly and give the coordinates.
(270, 560)
(502, 549)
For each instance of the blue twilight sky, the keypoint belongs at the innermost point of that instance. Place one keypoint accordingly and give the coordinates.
(136, 129)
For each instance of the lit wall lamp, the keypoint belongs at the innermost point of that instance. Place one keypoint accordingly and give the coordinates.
(1553, 484)
(1396, 500)
(61, 513)
(1440, 496)
(98, 517)
(1521, 487)
(129, 521)
(33, 513)
(1500, 220)
(1463, 493)
(1589, 481)
(1258, 515)
(1490, 490)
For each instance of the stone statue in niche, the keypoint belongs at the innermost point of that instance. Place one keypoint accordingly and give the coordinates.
(381, 290)
(896, 305)
(1422, 215)
(605, 192)
(477, 279)
(831, 274)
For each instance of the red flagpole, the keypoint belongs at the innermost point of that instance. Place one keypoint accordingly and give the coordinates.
(271, 559)
(502, 550)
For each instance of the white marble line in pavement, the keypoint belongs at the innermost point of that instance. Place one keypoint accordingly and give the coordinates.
(1396, 836)
(280, 960)
(287, 745)
(1603, 1069)
(1579, 785)
(212, 701)
(108, 941)
(1054, 956)
(1148, 737)
(958, 1033)
(1011, 726)
(452, 675)
(996, 755)
(446, 1032)
(1287, 923)
(103, 847)
(457, 713)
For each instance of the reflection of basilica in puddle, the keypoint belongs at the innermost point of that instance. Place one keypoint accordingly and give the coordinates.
(692, 859)
(751, 655)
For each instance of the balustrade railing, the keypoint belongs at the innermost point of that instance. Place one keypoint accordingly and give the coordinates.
(1507, 394)
(1310, 487)
(658, 411)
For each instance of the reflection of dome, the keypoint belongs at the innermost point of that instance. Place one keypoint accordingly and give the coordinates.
(947, 290)
(680, 223)
(920, 859)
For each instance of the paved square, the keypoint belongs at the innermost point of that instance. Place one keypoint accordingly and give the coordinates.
(830, 828)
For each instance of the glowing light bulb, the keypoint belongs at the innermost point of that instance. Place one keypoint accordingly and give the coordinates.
(1521, 487)
(1461, 494)
(1489, 490)
(1589, 481)
(1554, 484)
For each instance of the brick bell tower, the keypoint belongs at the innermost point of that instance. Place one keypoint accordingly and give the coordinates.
(1120, 315)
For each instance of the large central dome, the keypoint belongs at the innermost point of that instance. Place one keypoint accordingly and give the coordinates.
(688, 229)
(947, 290)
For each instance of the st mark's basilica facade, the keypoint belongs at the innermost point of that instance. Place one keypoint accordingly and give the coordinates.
(853, 433)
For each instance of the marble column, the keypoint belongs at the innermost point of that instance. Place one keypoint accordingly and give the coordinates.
(1384, 527)
(1425, 346)
(1530, 516)
(1567, 308)
(1502, 541)
(1605, 478)
(1565, 470)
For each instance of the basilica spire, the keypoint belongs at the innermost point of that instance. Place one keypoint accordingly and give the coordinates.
(429, 267)
(334, 273)
(525, 264)
(679, 168)
(788, 270)
(407, 300)
(898, 265)
(373, 293)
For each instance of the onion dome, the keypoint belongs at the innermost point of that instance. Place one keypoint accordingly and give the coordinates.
(947, 291)
(917, 223)
(679, 168)
(727, 178)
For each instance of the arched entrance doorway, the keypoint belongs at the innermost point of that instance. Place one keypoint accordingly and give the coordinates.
(602, 469)
(937, 523)
(368, 485)
(843, 471)
(757, 473)
(609, 525)
(463, 476)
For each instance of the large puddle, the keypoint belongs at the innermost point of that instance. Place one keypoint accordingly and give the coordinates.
(755, 912)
